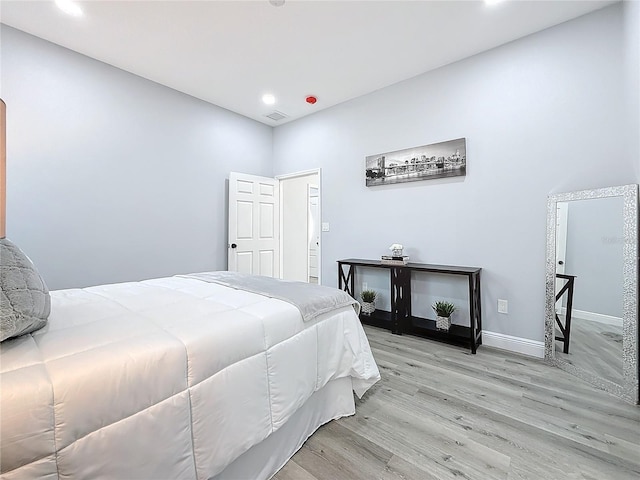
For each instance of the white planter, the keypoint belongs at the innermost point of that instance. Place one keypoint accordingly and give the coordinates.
(443, 323)
(368, 307)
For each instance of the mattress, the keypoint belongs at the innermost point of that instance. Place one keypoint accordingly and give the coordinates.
(165, 378)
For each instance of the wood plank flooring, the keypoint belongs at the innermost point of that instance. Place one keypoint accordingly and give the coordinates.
(441, 413)
(595, 347)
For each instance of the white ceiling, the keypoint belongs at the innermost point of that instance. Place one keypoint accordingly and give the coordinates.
(230, 53)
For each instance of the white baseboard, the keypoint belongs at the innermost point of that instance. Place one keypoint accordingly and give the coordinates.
(594, 317)
(524, 346)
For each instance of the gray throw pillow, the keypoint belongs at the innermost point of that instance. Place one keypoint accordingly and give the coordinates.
(24, 302)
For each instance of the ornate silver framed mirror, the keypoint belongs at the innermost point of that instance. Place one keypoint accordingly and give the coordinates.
(591, 315)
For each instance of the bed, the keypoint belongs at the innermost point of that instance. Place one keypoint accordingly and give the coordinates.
(183, 377)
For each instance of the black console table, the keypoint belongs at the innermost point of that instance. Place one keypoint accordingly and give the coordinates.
(400, 320)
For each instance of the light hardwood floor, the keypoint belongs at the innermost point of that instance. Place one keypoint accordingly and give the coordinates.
(441, 413)
(595, 347)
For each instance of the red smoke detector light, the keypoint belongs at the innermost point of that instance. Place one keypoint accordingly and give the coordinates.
(311, 99)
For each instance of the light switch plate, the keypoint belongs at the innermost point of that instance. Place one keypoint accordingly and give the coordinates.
(325, 226)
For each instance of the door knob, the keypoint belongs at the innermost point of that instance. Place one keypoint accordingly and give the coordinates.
(233, 245)
(560, 262)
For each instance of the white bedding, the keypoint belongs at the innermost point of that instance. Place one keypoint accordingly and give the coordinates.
(167, 378)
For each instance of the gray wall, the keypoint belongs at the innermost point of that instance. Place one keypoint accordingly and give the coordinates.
(594, 254)
(112, 177)
(631, 30)
(541, 115)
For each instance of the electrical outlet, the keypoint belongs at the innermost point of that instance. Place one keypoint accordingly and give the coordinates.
(503, 306)
(365, 286)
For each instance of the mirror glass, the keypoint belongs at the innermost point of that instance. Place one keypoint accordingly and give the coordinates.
(589, 251)
(591, 327)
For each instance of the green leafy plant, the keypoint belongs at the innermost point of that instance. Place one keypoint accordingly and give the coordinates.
(443, 308)
(368, 296)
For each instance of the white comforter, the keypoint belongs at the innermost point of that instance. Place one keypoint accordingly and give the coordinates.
(168, 378)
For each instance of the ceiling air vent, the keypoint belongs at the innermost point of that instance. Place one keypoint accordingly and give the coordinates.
(276, 116)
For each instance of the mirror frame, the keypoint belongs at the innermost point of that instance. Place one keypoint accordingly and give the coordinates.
(629, 389)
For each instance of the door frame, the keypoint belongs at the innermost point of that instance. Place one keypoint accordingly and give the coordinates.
(289, 176)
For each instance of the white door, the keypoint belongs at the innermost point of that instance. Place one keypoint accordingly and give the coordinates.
(253, 225)
(562, 215)
(314, 236)
(294, 225)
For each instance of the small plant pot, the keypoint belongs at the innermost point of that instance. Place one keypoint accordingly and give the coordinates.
(368, 308)
(443, 323)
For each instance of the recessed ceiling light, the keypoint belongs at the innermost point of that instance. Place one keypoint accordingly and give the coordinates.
(268, 99)
(69, 7)
(493, 2)
(276, 3)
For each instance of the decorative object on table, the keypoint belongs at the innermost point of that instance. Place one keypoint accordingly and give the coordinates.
(390, 260)
(437, 160)
(396, 257)
(443, 310)
(368, 301)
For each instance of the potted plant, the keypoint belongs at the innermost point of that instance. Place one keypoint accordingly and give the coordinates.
(368, 301)
(443, 310)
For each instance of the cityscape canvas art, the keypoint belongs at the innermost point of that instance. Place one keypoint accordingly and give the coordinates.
(438, 160)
